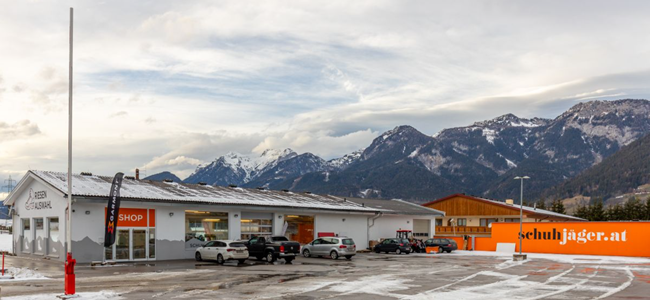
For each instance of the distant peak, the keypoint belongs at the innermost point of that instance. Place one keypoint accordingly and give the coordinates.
(511, 120)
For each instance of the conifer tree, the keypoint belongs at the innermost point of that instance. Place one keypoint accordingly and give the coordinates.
(596, 210)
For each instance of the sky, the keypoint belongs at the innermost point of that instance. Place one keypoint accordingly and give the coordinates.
(169, 85)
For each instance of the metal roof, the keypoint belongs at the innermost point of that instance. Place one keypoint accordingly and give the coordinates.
(527, 209)
(146, 190)
(397, 206)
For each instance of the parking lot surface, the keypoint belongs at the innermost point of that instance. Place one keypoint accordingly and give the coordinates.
(459, 275)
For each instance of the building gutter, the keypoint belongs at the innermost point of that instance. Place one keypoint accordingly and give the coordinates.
(373, 218)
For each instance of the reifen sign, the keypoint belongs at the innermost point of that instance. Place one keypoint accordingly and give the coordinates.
(593, 238)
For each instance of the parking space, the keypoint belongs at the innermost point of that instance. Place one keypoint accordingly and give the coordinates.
(459, 275)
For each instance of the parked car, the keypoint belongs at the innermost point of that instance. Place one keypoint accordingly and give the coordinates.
(273, 247)
(398, 246)
(444, 245)
(221, 251)
(333, 247)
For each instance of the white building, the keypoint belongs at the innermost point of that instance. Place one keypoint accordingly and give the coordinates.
(168, 220)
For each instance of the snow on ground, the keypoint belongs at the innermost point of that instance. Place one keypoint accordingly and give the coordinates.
(6, 243)
(564, 258)
(20, 274)
(103, 295)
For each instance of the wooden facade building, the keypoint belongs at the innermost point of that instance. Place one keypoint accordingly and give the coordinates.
(470, 215)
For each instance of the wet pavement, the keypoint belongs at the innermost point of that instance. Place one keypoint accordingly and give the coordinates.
(367, 276)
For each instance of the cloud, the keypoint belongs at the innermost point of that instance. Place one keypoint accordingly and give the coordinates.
(19, 130)
(320, 77)
(118, 114)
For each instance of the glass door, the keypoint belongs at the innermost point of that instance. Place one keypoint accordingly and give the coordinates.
(122, 245)
(139, 244)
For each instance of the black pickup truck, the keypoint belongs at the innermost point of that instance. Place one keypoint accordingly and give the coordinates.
(272, 248)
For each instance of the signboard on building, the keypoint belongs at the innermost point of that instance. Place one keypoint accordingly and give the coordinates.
(592, 238)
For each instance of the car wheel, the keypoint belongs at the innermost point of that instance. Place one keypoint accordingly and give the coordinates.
(334, 255)
(448, 251)
(377, 250)
(241, 261)
(198, 256)
(270, 257)
(288, 259)
(220, 259)
(348, 257)
(306, 253)
(398, 251)
(440, 250)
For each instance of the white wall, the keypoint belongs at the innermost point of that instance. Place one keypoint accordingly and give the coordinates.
(354, 226)
(38, 244)
(387, 225)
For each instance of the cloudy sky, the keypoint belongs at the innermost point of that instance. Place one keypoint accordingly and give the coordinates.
(168, 85)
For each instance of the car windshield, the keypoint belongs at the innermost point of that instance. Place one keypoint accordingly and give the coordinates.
(280, 239)
(237, 244)
(348, 242)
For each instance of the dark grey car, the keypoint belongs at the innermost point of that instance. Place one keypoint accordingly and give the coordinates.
(333, 247)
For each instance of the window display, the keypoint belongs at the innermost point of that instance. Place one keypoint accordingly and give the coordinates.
(256, 227)
(203, 226)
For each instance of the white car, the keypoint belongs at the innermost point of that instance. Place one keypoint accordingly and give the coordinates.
(222, 251)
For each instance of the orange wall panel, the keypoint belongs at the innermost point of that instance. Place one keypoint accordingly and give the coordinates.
(591, 238)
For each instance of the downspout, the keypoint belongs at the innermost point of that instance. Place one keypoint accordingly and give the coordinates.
(373, 218)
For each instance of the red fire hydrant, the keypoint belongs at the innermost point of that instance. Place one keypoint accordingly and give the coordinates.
(69, 275)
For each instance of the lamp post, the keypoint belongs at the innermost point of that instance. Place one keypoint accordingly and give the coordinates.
(521, 214)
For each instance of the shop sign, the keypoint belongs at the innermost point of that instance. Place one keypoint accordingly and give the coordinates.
(134, 217)
(592, 238)
(37, 200)
(581, 237)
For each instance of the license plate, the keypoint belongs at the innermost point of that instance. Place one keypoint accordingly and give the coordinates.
(240, 251)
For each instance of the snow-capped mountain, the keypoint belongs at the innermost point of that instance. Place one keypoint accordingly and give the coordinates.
(238, 169)
(478, 159)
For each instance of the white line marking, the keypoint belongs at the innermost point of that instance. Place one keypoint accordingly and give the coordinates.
(621, 287)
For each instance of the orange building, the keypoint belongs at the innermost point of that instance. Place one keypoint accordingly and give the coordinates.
(470, 215)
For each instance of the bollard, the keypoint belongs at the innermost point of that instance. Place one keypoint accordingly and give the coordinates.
(69, 275)
(3, 263)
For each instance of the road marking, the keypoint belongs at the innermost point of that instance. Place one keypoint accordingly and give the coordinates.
(621, 287)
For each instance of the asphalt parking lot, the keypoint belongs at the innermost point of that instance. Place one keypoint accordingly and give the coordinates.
(459, 275)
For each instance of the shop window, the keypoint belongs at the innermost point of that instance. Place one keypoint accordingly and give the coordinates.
(256, 227)
(39, 230)
(203, 226)
(299, 228)
(487, 222)
(27, 235)
(152, 243)
(53, 234)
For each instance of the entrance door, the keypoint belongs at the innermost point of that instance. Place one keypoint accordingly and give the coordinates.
(139, 244)
(122, 245)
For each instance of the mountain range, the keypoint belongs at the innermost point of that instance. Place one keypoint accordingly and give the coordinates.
(480, 159)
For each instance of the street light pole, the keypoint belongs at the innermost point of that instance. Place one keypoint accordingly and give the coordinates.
(521, 210)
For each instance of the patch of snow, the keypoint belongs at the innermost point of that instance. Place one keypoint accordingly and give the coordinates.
(563, 258)
(511, 164)
(21, 274)
(6, 242)
(489, 135)
(102, 295)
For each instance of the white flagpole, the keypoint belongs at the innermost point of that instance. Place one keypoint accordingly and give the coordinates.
(69, 235)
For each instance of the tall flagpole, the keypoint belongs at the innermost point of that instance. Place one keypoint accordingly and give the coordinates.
(69, 241)
(69, 261)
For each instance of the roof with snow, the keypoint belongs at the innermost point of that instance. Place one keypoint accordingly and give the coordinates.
(146, 190)
(397, 206)
(526, 209)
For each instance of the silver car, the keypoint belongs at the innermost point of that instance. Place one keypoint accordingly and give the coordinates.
(333, 247)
